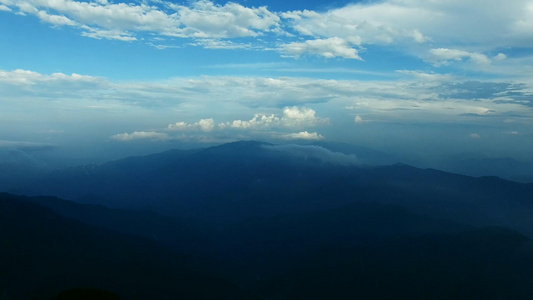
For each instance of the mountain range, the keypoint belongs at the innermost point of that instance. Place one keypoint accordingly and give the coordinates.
(254, 220)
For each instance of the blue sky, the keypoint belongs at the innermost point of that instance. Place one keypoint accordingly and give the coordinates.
(410, 76)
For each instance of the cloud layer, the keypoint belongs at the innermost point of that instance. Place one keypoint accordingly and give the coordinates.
(121, 21)
(433, 31)
(222, 108)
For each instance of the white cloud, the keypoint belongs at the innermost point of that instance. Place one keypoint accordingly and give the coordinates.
(443, 22)
(263, 99)
(140, 135)
(123, 21)
(371, 23)
(257, 122)
(303, 135)
(411, 26)
(443, 56)
(31, 78)
(301, 116)
(480, 27)
(261, 125)
(205, 125)
(329, 48)
(475, 136)
(208, 20)
(162, 47)
(220, 44)
(108, 34)
(420, 75)
(57, 85)
(292, 117)
(499, 56)
(55, 19)
(285, 108)
(179, 126)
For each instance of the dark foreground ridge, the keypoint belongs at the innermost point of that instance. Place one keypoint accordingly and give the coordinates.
(43, 254)
(369, 251)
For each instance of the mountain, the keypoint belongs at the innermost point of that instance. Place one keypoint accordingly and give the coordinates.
(218, 248)
(505, 167)
(363, 250)
(241, 180)
(281, 221)
(485, 263)
(43, 253)
(365, 155)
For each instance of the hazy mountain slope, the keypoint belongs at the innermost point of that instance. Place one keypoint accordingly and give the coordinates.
(506, 168)
(476, 201)
(365, 155)
(43, 253)
(245, 179)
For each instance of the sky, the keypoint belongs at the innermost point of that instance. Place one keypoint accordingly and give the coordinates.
(103, 79)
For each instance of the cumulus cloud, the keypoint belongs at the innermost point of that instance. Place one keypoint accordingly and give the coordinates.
(292, 117)
(258, 121)
(303, 135)
(298, 116)
(329, 48)
(205, 125)
(261, 125)
(140, 135)
(315, 153)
